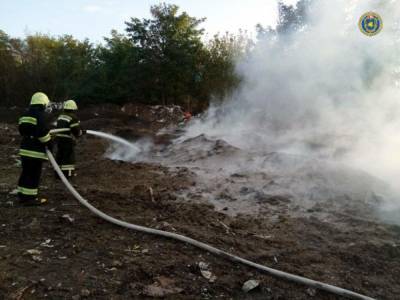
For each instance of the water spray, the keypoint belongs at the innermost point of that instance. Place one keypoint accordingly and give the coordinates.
(114, 139)
(273, 272)
(102, 135)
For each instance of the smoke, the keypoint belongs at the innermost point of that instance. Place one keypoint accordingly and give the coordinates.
(326, 91)
(135, 151)
(316, 120)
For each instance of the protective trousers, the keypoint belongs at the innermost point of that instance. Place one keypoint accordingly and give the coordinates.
(28, 183)
(66, 155)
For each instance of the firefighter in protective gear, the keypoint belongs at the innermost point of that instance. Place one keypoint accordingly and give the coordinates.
(66, 141)
(35, 138)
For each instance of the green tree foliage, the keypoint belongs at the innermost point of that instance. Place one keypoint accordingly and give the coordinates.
(72, 61)
(169, 50)
(7, 68)
(115, 74)
(161, 60)
(56, 65)
(223, 51)
(290, 20)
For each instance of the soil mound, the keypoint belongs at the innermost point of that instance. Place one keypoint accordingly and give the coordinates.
(61, 251)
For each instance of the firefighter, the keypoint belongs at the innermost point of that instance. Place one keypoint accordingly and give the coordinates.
(35, 138)
(66, 141)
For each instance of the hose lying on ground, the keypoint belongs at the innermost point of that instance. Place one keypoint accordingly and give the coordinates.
(234, 258)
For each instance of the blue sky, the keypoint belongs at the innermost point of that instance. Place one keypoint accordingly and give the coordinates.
(94, 19)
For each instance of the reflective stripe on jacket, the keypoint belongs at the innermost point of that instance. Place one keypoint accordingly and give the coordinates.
(35, 133)
(71, 122)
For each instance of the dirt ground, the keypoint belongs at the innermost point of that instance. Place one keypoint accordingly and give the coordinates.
(62, 251)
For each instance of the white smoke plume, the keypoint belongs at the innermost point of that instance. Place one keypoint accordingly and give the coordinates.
(328, 91)
(135, 151)
(316, 120)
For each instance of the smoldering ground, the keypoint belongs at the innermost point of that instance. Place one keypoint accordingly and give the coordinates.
(318, 113)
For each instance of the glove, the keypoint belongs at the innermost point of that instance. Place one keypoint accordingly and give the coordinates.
(83, 131)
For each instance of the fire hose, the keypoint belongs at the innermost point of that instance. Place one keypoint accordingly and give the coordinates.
(273, 272)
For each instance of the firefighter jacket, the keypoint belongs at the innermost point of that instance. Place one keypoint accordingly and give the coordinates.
(35, 133)
(70, 121)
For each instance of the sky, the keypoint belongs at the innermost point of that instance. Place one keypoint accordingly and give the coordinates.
(94, 19)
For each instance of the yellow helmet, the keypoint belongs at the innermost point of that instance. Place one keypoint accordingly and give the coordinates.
(70, 105)
(40, 98)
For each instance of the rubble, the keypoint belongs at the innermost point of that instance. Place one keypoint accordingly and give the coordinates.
(250, 285)
(34, 252)
(206, 272)
(68, 218)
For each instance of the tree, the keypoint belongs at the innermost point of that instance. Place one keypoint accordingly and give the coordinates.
(7, 68)
(58, 66)
(72, 60)
(219, 74)
(161, 60)
(169, 46)
(291, 19)
(117, 73)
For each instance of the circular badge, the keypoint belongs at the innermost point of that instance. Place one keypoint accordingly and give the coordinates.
(370, 23)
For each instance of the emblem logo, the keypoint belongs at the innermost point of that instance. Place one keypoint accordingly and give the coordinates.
(370, 23)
